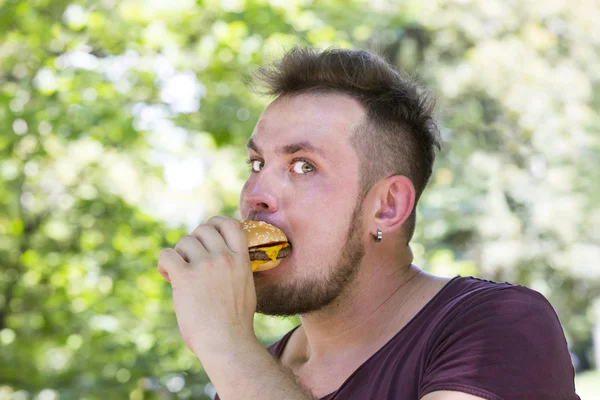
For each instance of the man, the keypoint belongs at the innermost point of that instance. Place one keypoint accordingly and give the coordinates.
(338, 162)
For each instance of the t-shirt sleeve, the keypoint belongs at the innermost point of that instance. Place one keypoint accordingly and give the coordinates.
(501, 344)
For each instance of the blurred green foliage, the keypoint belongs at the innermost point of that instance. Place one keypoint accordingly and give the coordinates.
(123, 126)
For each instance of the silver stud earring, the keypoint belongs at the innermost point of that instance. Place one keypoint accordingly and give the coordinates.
(379, 236)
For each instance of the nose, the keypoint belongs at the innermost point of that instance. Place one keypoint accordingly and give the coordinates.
(259, 195)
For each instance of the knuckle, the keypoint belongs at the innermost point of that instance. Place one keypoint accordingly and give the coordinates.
(224, 222)
(182, 240)
(163, 258)
(233, 223)
(226, 258)
(164, 254)
(198, 229)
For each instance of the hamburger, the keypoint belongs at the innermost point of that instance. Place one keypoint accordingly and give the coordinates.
(267, 244)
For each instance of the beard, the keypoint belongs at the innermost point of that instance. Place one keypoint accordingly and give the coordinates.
(314, 294)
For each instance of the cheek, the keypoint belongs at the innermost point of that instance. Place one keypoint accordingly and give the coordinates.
(325, 218)
(331, 196)
(320, 190)
(244, 207)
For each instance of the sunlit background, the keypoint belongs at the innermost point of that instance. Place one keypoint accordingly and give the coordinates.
(123, 124)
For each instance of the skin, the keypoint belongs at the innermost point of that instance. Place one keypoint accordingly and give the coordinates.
(344, 321)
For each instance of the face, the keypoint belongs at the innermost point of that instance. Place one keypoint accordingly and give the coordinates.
(305, 180)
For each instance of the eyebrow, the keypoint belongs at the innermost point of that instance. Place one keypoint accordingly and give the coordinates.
(291, 148)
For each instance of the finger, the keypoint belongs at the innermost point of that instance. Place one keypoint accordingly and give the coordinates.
(169, 263)
(190, 248)
(232, 232)
(210, 238)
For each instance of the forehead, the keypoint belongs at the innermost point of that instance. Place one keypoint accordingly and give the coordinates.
(323, 120)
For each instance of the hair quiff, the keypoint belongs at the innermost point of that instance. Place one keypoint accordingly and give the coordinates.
(399, 135)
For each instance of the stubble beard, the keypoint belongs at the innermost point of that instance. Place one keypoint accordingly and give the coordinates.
(316, 293)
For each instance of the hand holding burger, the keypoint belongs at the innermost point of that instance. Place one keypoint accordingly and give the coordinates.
(210, 271)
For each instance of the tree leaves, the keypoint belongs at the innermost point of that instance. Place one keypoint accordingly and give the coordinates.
(97, 98)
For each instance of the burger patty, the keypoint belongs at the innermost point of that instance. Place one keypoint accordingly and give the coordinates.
(256, 254)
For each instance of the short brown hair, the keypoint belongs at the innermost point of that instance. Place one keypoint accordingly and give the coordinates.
(399, 135)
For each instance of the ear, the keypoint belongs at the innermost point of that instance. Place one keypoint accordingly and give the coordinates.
(393, 203)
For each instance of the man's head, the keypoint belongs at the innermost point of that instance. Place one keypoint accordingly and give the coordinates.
(345, 128)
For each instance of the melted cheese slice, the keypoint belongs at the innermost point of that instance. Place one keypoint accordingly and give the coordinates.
(271, 251)
(256, 264)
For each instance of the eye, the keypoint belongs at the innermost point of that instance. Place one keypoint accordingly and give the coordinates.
(255, 165)
(303, 166)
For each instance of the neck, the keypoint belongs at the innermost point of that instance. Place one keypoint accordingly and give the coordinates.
(373, 307)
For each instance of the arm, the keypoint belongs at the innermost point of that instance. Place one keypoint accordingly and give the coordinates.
(448, 395)
(246, 370)
(215, 300)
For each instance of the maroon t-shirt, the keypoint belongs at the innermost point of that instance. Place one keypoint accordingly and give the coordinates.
(492, 340)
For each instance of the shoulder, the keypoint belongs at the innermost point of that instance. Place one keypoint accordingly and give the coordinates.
(481, 307)
(499, 338)
(479, 295)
